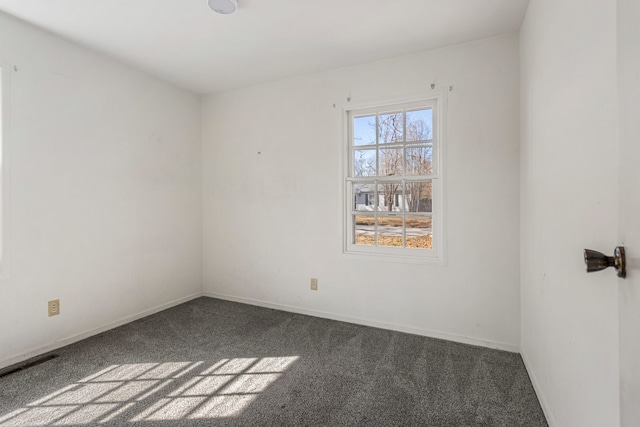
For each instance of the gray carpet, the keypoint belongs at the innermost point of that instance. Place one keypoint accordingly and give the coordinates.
(216, 363)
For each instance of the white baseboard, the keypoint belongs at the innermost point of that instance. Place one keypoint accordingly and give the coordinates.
(75, 338)
(368, 322)
(536, 386)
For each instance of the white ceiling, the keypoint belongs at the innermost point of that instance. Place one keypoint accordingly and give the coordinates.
(186, 43)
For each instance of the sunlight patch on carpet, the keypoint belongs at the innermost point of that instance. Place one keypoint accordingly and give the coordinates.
(155, 392)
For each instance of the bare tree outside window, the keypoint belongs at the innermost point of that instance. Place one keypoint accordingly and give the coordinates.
(364, 163)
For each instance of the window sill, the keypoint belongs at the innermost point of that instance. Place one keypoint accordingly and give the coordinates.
(395, 256)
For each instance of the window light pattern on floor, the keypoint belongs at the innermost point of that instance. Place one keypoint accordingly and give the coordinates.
(155, 392)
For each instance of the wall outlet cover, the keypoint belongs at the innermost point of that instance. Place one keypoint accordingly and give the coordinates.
(54, 307)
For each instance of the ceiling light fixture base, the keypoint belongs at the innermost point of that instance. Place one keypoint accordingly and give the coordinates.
(224, 7)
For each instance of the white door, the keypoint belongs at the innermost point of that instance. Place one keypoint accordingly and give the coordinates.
(629, 207)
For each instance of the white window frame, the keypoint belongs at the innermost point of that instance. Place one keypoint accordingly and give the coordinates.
(6, 70)
(435, 255)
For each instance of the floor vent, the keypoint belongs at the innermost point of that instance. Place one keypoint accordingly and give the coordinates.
(26, 365)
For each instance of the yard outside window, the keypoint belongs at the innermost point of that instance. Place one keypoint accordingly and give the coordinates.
(392, 181)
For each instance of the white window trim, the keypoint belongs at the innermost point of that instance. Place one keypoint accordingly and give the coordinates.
(6, 71)
(435, 256)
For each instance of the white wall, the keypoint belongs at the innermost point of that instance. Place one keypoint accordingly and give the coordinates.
(272, 197)
(568, 203)
(629, 203)
(105, 193)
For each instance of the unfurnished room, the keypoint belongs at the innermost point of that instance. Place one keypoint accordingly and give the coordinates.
(320, 213)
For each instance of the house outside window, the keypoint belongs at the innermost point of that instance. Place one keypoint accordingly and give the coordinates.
(393, 180)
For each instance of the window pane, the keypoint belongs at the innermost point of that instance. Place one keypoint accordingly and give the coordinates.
(390, 196)
(419, 233)
(390, 127)
(364, 163)
(364, 197)
(419, 160)
(391, 162)
(364, 130)
(390, 231)
(419, 196)
(364, 230)
(420, 125)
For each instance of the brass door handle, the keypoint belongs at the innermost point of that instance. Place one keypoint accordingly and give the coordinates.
(597, 261)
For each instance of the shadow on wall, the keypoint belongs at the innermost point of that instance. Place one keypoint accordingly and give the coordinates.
(155, 392)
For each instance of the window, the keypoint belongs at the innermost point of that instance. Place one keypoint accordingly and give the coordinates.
(393, 181)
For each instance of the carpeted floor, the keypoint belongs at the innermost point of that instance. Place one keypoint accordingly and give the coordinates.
(216, 363)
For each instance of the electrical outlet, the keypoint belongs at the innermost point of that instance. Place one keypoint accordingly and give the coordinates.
(314, 284)
(54, 307)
